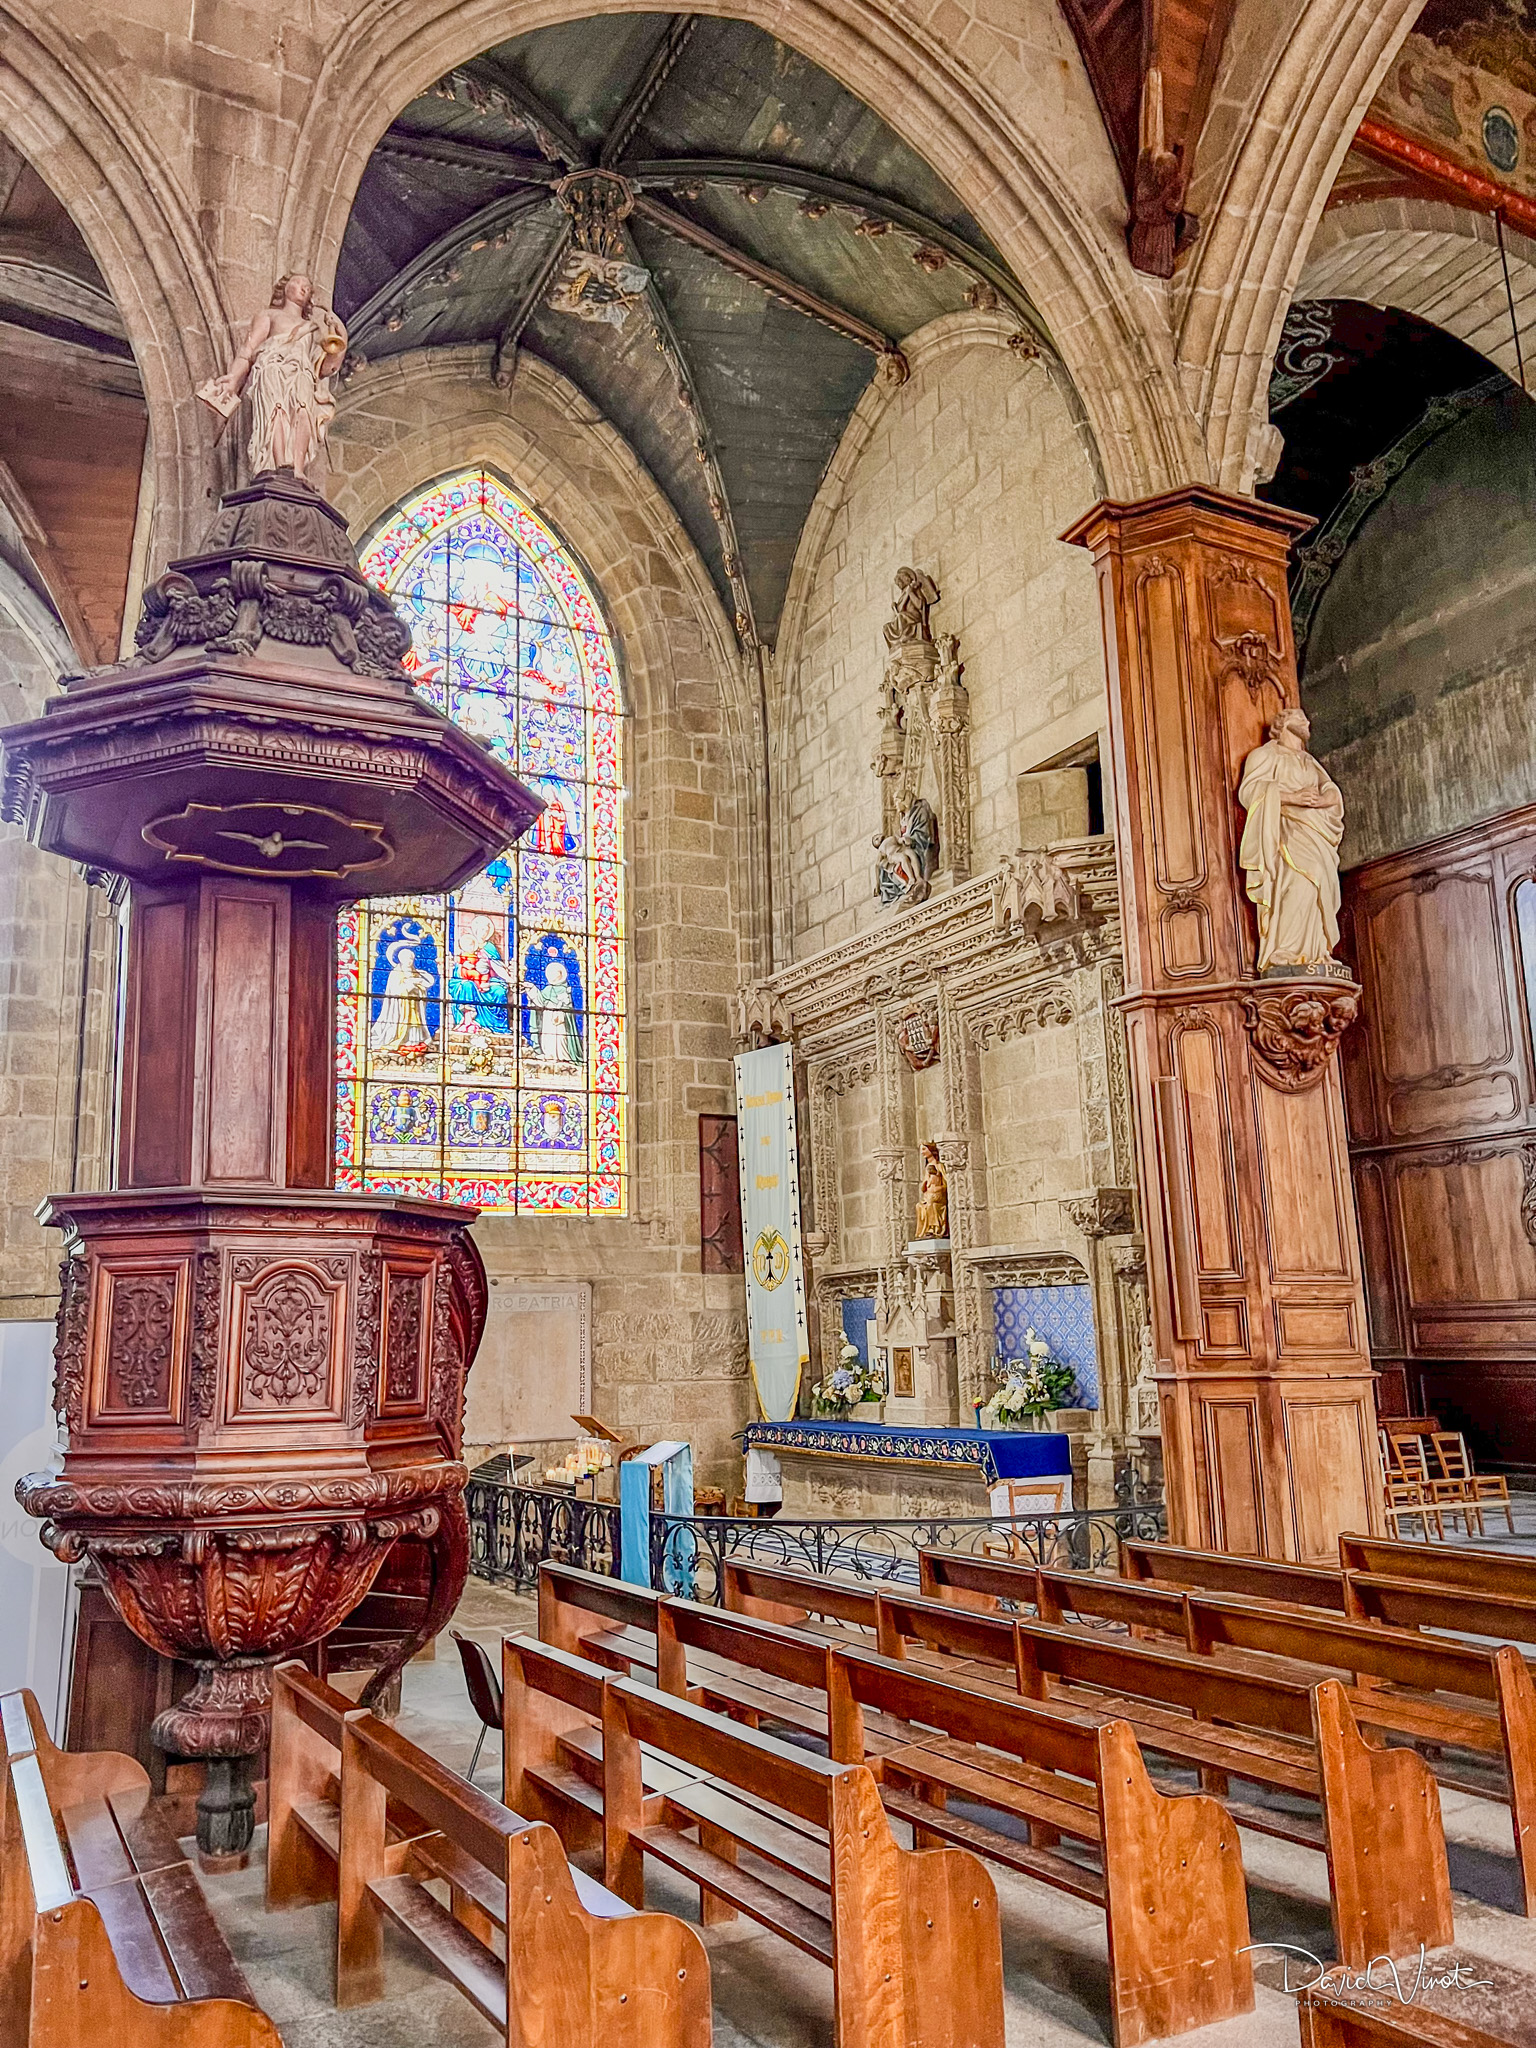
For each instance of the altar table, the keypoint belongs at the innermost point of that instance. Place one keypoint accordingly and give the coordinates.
(886, 1470)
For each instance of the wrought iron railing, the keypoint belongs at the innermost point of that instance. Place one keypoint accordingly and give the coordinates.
(512, 1529)
(689, 1552)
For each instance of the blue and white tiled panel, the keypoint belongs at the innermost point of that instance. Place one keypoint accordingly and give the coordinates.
(1063, 1316)
(859, 1324)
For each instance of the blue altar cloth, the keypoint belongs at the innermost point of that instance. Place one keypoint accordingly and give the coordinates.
(994, 1453)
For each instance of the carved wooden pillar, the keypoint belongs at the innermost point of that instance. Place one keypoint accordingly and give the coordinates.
(1253, 1260)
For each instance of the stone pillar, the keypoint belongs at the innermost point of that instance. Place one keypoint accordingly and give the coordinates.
(1258, 1317)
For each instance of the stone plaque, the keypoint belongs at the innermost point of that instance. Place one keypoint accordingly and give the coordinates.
(534, 1367)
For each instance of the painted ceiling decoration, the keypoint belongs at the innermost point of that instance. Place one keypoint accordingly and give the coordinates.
(1359, 392)
(712, 239)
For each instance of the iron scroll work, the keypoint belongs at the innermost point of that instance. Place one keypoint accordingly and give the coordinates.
(514, 1528)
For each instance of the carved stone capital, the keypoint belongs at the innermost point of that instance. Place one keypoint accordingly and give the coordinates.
(762, 1016)
(1102, 1212)
(1295, 1028)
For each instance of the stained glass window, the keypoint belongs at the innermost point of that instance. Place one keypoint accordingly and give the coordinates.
(480, 1051)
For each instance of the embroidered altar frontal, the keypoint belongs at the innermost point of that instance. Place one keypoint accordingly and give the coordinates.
(990, 1454)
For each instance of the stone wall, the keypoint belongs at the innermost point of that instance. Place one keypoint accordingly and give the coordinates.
(1031, 1094)
(668, 1342)
(58, 959)
(1420, 673)
(969, 471)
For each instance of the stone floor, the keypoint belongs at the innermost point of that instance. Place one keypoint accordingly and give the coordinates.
(768, 1996)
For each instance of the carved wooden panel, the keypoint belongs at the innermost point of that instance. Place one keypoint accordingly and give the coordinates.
(1178, 843)
(1302, 1174)
(1232, 1458)
(720, 1246)
(289, 1321)
(243, 992)
(406, 1325)
(140, 1340)
(1202, 1070)
(1439, 1090)
(1327, 1445)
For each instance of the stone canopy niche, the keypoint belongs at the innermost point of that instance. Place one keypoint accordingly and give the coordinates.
(262, 1378)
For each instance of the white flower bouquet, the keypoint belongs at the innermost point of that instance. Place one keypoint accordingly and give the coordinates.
(1032, 1386)
(848, 1383)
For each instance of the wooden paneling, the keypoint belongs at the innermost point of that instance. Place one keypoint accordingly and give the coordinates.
(1253, 1272)
(1441, 1098)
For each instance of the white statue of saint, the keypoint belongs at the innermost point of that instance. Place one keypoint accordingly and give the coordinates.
(554, 1030)
(1290, 848)
(401, 1025)
(284, 365)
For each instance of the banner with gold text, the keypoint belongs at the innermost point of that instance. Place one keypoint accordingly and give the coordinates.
(770, 1227)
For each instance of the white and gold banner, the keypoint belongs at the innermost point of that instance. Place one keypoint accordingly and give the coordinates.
(770, 1227)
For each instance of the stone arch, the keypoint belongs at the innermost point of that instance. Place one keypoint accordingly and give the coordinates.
(970, 100)
(82, 138)
(1287, 103)
(1427, 257)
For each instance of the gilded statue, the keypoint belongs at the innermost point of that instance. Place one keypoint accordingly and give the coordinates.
(1290, 849)
(284, 366)
(933, 1197)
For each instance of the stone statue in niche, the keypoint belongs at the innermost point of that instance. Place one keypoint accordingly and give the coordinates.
(284, 366)
(1290, 851)
(933, 1197)
(924, 739)
(905, 859)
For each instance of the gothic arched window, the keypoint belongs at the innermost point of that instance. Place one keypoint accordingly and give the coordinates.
(480, 1052)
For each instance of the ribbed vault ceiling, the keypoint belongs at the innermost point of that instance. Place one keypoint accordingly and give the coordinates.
(791, 242)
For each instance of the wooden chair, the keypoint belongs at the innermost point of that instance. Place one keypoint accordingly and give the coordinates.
(580, 1968)
(1407, 1494)
(1456, 1469)
(1170, 1876)
(484, 1692)
(911, 1936)
(114, 1944)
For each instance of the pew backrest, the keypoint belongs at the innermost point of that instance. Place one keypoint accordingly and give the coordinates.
(785, 1653)
(1253, 1578)
(775, 1593)
(952, 1575)
(1413, 1604)
(1429, 1663)
(574, 1604)
(1498, 1573)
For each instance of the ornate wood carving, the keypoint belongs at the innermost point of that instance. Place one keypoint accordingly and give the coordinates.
(1295, 1030)
(222, 1315)
(1255, 1293)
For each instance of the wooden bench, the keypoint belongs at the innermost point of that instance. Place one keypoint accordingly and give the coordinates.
(1380, 1820)
(1170, 1876)
(581, 1968)
(1380, 1823)
(1427, 1689)
(1334, 2023)
(1496, 1574)
(113, 1942)
(552, 1742)
(911, 1936)
(304, 1790)
(1250, 1578)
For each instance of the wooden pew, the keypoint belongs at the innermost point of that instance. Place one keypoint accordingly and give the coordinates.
(1427, 1688)
(593, 1616)
(304, 1790)
(1252, 1578)
(552, 1742)
(1171, 1873)
(1389, 1881)
(581, 1969)
(122, 1947)
(1507, 1572)
(1331, 2022)
(911, 1936)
